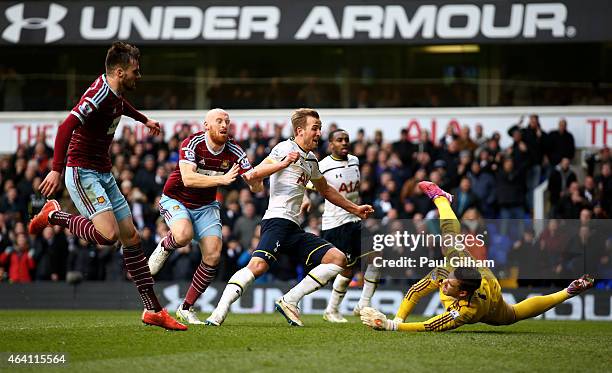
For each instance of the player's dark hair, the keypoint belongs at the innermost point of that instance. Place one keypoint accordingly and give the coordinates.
(469, 279)
(300, 116)
(332, 133)
(121, 54)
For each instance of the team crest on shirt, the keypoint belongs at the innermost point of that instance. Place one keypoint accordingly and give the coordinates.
(101, 200)
(225, 164)
(202, 162)
(176, 207)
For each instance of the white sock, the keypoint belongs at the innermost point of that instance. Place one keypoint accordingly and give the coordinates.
(370, 282)
(236, 285)
(317, 278)
(341, 283)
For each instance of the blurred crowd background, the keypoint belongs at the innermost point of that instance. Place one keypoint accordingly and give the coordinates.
(488, 182)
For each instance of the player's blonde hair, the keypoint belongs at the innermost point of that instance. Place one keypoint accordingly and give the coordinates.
(300, 116)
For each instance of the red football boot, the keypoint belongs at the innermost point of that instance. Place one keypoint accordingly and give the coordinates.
(41, 220)
(163, 319)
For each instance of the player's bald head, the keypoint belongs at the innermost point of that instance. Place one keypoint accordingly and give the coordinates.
(217, 125)
(212, 113)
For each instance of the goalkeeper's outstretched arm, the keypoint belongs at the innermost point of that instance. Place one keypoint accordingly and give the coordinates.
(440, 323)
(417, 291)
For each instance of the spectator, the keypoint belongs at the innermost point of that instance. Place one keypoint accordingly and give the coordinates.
(510, 193)
(597, 160)
(51, 254)
(144, 178)
(527, 261)
(483, 186)
(560, 179)
(571, 203)
(19, 260)
(404, 148)
(12, 205)
(244, 227)
(5, 240)
(604, 187)
(560, 144)
(465, 142)
(552, 242)
(448, 137)
(464, 198)
(473, 225)
(479, 137)
(589, 191)
(450, 156)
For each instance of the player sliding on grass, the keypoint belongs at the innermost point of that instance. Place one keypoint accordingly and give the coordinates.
(343, 229)
(86, 135)
(206, 160)
(469, 295)
(291, 165)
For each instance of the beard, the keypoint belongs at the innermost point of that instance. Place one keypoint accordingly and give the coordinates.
(129, 86)
(217, 137)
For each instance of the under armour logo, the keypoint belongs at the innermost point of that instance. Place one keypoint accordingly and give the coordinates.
(53, 30)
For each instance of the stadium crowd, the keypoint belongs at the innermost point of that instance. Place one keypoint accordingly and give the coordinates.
(488, 182)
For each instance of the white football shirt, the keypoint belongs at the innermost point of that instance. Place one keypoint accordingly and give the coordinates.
(288, 185)
(342, 175)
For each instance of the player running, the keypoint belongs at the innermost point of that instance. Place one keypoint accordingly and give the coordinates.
(86, 135)
(343, 229)
(206, 160)
(469, 295)
(291, 165)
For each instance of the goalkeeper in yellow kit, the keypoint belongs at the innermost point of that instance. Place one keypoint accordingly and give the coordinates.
(469, 295)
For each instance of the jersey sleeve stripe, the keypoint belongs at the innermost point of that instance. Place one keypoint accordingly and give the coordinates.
(195, 141)
(97, 95)
(79, 117)
(92, 102)
(438, 323)
(237, 150)
(100, 96)
(237, 154)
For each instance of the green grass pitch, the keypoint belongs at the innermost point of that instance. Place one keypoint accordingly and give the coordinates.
(114, 341)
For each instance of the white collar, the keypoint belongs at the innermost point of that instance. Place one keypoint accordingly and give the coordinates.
(210, 147)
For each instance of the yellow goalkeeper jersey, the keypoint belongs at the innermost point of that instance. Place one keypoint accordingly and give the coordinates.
(485, 305)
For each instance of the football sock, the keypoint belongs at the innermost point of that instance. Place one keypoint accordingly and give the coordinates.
(448, 220)
(80, 227)
(169, 243)
(537, 305)
(341, 283)
(202, 277)
(370, 282)
(138, 268)
(317, 278)
(236, 285)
